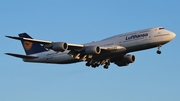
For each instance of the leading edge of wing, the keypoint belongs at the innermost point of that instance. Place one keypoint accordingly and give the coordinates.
(21, 56)
(43, 41)
(114, 48)
(71, 46)
(31, 40)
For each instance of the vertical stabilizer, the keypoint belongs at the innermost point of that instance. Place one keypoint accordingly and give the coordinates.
(31, 47)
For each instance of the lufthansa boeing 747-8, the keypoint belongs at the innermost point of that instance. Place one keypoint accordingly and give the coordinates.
(114, 49)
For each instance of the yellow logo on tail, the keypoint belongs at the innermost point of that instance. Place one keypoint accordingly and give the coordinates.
(27, 45)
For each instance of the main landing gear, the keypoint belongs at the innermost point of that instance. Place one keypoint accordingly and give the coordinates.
(158, 51)
(92, 64)
(107, 63)
(95, 64)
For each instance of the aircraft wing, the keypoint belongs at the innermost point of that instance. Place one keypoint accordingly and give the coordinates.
(44, 42)
(70, 46)
(30, 40)
(22, 56)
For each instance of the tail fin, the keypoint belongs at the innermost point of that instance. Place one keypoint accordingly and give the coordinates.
(30, 47)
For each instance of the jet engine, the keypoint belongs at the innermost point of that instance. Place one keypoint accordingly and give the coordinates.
(59, 46)
(90, 50)
(126, 60)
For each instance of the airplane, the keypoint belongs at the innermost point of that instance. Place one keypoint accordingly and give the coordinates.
(114, 49)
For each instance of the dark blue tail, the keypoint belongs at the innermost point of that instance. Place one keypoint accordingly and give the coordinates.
(31, 47)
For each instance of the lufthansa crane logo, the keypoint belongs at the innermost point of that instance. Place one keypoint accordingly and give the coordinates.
(27, 45)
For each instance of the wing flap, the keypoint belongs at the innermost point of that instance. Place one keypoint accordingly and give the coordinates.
(22, 56)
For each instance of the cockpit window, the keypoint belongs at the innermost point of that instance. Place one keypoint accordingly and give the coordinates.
(161, 28)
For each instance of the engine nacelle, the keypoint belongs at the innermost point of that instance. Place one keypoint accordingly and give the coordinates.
(126, 60)
(90, 50)
(119, 63)
(129, 58)
(59, 46)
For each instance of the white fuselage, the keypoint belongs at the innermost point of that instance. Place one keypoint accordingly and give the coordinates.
(132, 41)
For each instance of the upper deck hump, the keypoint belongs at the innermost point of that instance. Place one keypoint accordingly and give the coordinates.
(134, 32)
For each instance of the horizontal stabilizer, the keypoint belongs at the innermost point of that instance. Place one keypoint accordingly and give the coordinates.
(22, 56)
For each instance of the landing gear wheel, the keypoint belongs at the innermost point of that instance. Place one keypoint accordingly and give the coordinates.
(87, 64)
(96, 64)
(158, 52)
(106, 67)
(93, 65)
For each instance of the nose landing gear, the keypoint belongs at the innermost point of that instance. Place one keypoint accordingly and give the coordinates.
(158, 51)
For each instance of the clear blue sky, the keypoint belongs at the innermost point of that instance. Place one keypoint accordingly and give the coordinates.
(151, 78)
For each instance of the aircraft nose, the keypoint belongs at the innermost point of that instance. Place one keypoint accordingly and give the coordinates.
(173, 35)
